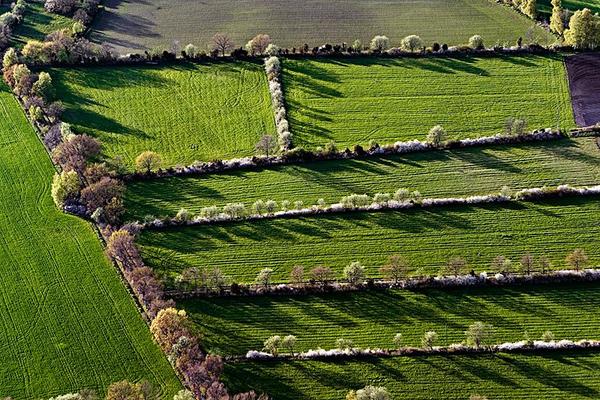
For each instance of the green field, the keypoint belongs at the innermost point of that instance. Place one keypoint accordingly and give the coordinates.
(545, 6)
(435, 174)
(135, 26)
(358, 100)
(371, 319)
(566, 375)
(185, 112)
(67, 321)
(427, 238)
(38, 23)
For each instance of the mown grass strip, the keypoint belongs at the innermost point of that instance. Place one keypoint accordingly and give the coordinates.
(370, 319)
(427, 238)
(564, 375)
(353, 101)
(184, 112)
(66, 321)
(460, 172)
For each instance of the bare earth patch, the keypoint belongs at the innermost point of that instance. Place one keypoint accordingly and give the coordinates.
(584, 81)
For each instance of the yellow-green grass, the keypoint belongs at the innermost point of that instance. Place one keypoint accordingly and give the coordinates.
(426, 237)
(545, 6)
(184, 112)
(135, 26)
(355, 101)
(67, 321)
(565, 375)
(458, 172)
(37, 23)
(371, 319)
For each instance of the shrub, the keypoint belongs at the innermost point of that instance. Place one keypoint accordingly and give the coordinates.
(216, 278)
(10, 58)
(209, 212)
(401, 195)
(501, 264)
(476, 42)
(130, 391)
(321, 274)
(398, 340)
(264, 277)
(289, 342)
(547, 336)
(380, 43)
(191, 51)
(355, 201)
(382, 198)
(100, 193)
(148, 161)
(428, 340)
(258, 44)
(436, 135)
(344, 344)
(270, 206)
(65, 186)
(478, 333)
(272, 50)
(369, 393)
(297, 274)
(183, 215)
(396, 269)
(78, 26)
(272, 345)
(456, 265)
(411, 43)
(577, 259)
(266, 145)
(184, 395)
(258, 207)
(354, 273)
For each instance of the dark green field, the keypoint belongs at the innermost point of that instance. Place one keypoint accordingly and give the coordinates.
(427, 238)
(545, 6)
(185, 112)
(354, 101)
(565, 376)
(67, 321)
(371, 319)
(435, 174)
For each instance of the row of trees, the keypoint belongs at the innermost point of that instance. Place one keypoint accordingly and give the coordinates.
(478, 335)
(82, 11)
(396, 269)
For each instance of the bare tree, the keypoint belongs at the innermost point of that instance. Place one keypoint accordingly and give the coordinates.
(222, 43)
(527, 264)
(266, 145)
(577, 259)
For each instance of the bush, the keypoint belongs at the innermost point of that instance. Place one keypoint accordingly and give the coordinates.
(148, 161)
(428, 340)
(65, 186)
(476, 42)
(411, 43)
(437, 135)
(380, 43)
(354, 273)
(478, 333)
(272, 345)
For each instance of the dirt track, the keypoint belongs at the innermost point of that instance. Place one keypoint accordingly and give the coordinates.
(584, 81)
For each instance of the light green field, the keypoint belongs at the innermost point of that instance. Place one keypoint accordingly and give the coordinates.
(185, 112)
(566, 375)
(371, 319)
(357, 100)
(435, 174)
(38, 23)
(135, 26)
(427, 238)
(67, 321)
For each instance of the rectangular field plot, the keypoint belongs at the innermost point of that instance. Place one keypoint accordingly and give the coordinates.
(426, 237)
(435, 174)
(354, 101)
(566, 375)
(371, 319)
(185, 112)
(67, 322)
(139, 25)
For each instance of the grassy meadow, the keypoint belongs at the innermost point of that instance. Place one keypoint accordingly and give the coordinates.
(135, 26)
(435, 174)
(37, 23)
(371, 319)
(426, 237)
(358, 100)
(545, 6)
(185, 112)
(67, 321)
(565, 375)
